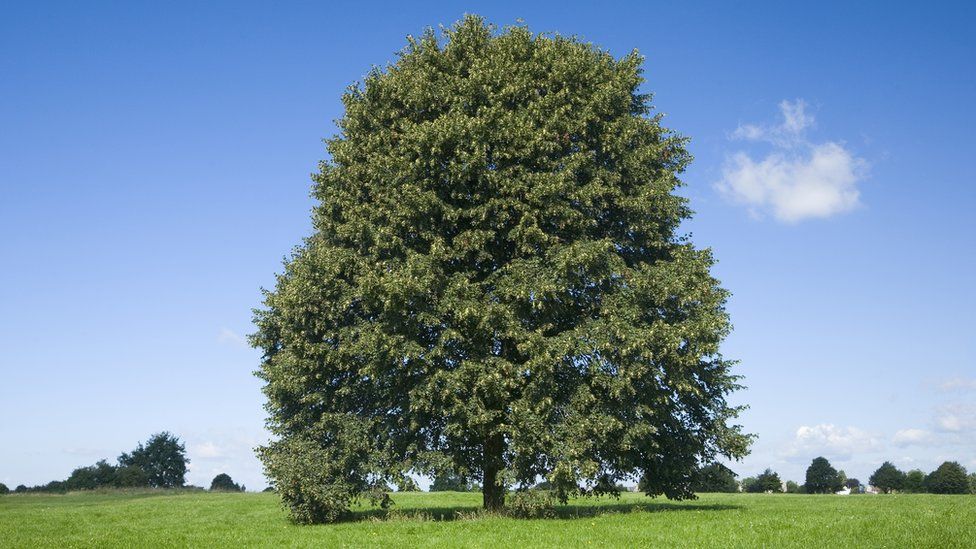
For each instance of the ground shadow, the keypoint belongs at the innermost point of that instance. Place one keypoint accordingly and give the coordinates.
(562, 512)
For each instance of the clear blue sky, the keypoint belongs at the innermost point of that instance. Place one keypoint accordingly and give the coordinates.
(154, 168)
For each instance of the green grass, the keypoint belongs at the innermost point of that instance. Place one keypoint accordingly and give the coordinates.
(168, 519)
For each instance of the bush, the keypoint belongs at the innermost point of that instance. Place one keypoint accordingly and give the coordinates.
(531, 504)
(949, 478)
(223, 483)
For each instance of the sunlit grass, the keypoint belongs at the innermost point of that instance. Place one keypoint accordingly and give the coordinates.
(167, 519)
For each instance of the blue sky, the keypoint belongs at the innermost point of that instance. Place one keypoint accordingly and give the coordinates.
(154, 167)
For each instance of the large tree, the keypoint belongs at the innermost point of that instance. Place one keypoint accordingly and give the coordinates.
(949, 478)
(496, 285)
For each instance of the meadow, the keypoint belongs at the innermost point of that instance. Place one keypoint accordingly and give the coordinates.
(450, 519)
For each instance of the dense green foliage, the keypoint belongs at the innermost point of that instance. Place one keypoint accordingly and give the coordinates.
(4, 489)
(822, 478)
(407, 484)
(767, 481)
(163, 458)
(445, 519)
(496, 284)
(224, 483)
(914, 482)
(972, 483)
(887, 478)
(714, 477)
(949, 478)
(793, 488)
(100, 475)
(446, 481)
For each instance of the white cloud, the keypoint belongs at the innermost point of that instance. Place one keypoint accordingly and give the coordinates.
(834, 442)
(205, 450)
(231, 337)
(956, 418)
(959, 384)
(909, 437)
(798, 180)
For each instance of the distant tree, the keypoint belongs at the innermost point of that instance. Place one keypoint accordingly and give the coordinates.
(450, 482)
(972, 483)
(3, 489)
(887, 478)
(163, 458)
(793, 488)
(130, 476)
(748, 484)
(821, 477)
(949, 478)
(100, 475)
(407, 484)
(767, 481)
(223, 483)
(20, 489)
(544, 485)
(841, 478)
(714, 478)
(914, 482)
(853, 484)
(269, 489)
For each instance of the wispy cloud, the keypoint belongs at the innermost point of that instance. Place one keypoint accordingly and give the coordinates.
(231, 337)
(959, 384)
(911, 437)
(798, 179)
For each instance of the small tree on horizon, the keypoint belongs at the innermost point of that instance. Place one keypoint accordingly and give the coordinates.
(223, 483)
(767, 481)
(163, 458)
(914, 482)
(887, 478)
(821, 478)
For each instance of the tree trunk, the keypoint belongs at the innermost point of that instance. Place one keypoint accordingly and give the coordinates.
(493, 493)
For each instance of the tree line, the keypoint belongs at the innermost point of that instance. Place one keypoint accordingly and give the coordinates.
(159, 463)
(822, 478)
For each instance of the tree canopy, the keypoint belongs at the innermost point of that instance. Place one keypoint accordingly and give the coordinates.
(888, 478)
(163, 459)
(496, 285)
(767, 481)
(822, 478)
(949, 478)
(223, 483)
(715, 477)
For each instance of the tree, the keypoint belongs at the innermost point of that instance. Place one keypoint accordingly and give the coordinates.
(496, 283)
(972, 483)
(223, 483)
(20, 489)
(853, 484)
(407, 484)
(767, 481)
(914, 482)
(94, 476)
(3, 489)
(715, 477)
(887, 478)
(130, 476)
(163, 458)
(949, 478)
(821, 477)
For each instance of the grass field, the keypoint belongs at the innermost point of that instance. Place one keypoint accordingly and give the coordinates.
(168, 519)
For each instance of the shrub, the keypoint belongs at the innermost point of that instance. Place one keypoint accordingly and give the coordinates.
(223, 483)
(949, 478)
(531, 504)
